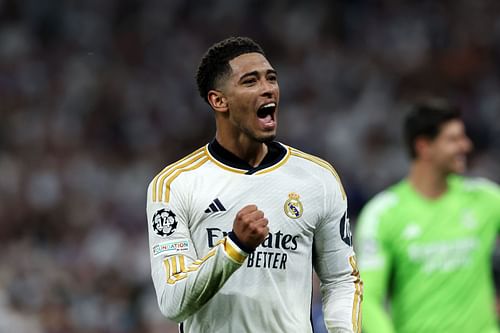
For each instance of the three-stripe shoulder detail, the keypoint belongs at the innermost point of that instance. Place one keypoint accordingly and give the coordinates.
(161, 183)
(322, 163)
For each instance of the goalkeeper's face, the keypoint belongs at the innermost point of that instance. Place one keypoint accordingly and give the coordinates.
(252, 96)
(450, 148)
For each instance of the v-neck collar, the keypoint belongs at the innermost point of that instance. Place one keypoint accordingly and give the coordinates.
(275, 154)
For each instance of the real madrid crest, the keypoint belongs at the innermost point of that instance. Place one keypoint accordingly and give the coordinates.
(293, 207)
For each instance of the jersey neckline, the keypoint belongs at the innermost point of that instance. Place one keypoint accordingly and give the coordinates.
(452, 184)
(276, 155)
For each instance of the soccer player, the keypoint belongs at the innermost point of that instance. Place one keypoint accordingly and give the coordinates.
(236, 227)
(425, 243)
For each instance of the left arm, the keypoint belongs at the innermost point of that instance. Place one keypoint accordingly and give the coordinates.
(335, 264)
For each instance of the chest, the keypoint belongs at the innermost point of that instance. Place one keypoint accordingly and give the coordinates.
(444, 238)
(293, 207)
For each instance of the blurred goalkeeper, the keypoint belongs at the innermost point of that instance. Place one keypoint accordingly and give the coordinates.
(426, 242)
(236, 227)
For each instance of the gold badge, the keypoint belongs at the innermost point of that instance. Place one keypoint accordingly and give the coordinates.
(293, 207)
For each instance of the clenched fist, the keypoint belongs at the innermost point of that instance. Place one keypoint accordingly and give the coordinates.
(250, 226)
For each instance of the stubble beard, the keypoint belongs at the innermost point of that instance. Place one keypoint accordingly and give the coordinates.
(263, 138)
(267, 139)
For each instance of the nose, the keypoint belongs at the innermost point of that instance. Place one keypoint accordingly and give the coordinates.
(467, 144)
(269, 89)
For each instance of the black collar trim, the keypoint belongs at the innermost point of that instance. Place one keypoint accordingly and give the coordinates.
(275, 153)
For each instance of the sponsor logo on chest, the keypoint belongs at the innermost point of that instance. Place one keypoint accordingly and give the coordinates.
(272, 253)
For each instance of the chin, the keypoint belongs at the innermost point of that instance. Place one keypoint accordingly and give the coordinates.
(267, 138)
(459, 169)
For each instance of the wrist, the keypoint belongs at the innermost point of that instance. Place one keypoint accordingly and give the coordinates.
(242, 246)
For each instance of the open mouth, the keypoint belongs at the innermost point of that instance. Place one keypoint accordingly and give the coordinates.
(266, 110)
(266, 116)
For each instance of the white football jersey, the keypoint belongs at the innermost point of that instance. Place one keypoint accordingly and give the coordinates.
(205, 280)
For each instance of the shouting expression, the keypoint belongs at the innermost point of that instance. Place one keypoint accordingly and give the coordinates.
(252, 96)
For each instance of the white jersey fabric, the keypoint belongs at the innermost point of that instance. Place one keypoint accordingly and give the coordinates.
(207, 281)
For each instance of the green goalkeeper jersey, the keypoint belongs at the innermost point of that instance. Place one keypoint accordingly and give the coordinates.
(430, 258)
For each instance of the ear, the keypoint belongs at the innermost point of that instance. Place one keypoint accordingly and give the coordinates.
(422, 146)
(217, 101)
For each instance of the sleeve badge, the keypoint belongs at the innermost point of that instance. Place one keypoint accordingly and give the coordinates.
(164, 222)
(345, 230)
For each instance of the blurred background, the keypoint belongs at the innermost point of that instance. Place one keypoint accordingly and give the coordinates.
(96, 97)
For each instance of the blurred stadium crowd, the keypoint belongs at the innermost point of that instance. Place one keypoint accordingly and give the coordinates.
(96, 97)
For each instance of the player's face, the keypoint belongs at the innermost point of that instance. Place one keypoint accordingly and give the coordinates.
(252, 94)
(450, 148)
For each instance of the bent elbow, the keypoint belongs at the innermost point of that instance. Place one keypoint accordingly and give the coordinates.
(174, 312)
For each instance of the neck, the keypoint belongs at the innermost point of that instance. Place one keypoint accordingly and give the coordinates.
(248, 150)
(427, 180)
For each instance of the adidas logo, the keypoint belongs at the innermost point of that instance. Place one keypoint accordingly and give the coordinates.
(215, 206)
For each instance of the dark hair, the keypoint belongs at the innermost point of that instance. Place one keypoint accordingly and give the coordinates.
(215, 63)
(425, 119)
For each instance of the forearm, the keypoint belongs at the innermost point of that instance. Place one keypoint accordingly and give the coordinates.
(342, 297)
(182, 288)
(375, 317)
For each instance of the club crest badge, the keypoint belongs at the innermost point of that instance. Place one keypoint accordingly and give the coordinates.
(164, 222)
(293, 207)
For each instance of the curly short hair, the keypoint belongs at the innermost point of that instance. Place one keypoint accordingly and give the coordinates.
(215, 63)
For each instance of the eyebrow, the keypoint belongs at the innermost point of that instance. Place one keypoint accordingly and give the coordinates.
(256, 73)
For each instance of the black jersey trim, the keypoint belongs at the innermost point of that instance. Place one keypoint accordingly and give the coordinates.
(236, 240)
(275, 154)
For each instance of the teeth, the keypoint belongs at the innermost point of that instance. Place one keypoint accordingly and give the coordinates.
(270, 105)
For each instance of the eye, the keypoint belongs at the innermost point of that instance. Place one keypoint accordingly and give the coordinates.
(249, 81)
(272, 78)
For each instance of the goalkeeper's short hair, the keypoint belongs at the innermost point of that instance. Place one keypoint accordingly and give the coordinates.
(425, 120)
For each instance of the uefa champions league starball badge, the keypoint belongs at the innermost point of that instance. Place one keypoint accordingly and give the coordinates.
(293, 207)
(164, 222)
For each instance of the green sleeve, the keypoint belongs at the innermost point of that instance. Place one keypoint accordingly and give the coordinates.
(491, 194)
(495, 195)
(375, 317)
(374, 258)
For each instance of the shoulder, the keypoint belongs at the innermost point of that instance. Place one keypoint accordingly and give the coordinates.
(159, 186)
(381, 203)
(311, 161)
(476, 185)
(380, 206)
(315, 165)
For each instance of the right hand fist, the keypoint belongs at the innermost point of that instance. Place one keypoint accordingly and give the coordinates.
(250, 226)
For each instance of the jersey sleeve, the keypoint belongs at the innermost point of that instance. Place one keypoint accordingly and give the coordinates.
(492, 191)
(375, 264)
(184, 280)
(335, 264)
(488, 192)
